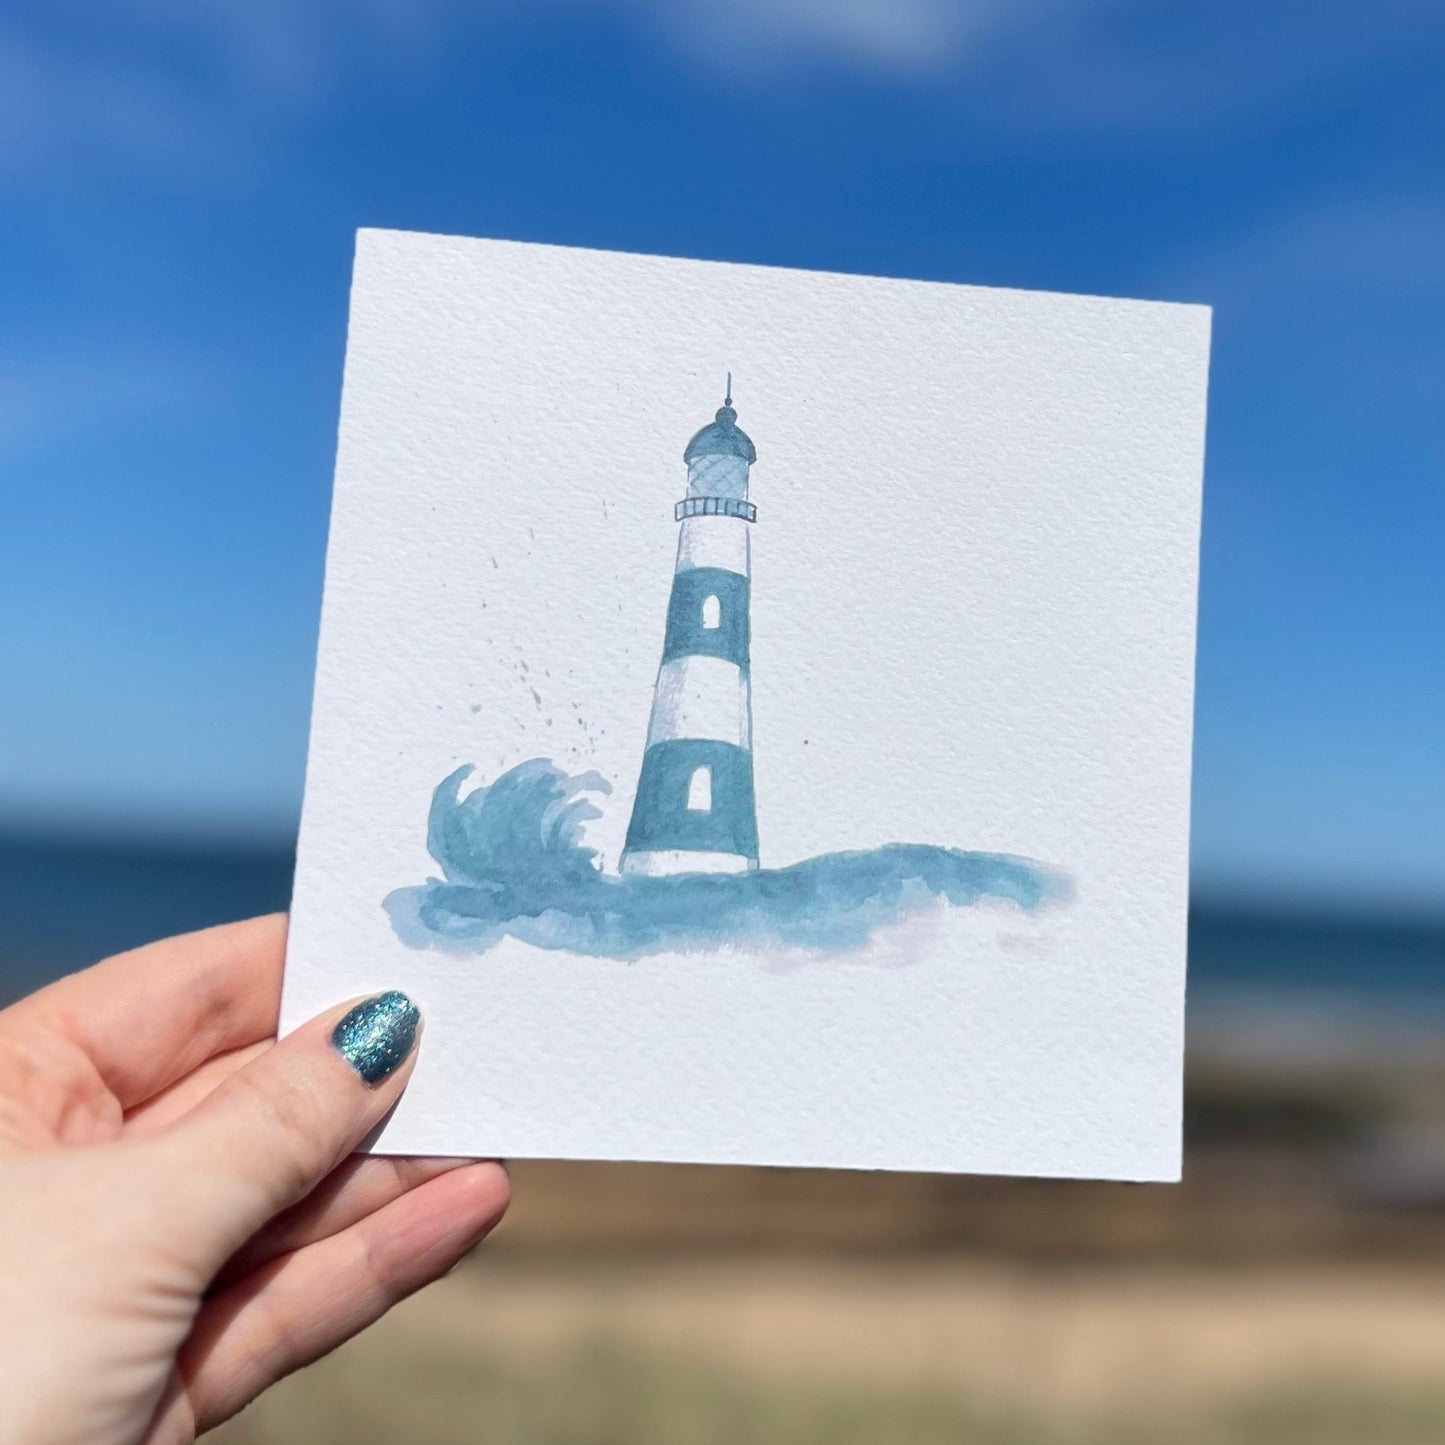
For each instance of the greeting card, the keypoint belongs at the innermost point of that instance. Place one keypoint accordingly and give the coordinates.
(753, 711)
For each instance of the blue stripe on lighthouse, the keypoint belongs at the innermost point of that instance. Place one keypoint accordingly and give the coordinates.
(686, 634)
(661, 819)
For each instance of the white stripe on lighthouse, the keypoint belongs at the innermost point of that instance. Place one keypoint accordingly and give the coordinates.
(701, 697)
(714, 542)
(662, 862)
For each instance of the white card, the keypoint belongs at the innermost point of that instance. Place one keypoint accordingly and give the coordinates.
(791, 775)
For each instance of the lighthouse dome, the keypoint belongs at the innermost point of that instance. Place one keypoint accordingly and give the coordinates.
(722, 437)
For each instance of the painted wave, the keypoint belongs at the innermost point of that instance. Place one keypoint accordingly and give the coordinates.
(514, 864)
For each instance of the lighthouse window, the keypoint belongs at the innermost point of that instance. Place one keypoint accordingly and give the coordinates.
(699, 791)
(711, 612)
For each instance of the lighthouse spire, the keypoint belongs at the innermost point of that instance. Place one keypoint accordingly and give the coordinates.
(728, 399)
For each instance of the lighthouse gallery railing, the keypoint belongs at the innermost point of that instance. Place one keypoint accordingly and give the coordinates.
(715, 507)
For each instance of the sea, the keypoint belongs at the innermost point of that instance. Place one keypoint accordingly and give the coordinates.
(66, 902)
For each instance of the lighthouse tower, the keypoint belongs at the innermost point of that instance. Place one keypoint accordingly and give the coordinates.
(695, 810)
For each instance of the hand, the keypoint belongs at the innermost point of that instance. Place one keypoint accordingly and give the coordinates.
(180, 1223)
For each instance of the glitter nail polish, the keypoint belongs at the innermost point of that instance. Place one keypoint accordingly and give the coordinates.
(376, 1036)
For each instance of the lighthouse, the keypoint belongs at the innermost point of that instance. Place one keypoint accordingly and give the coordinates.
(695, 810)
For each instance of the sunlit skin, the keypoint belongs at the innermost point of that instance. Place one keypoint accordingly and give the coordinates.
(182, 1221)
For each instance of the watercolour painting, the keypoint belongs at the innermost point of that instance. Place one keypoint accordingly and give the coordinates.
(753, 711)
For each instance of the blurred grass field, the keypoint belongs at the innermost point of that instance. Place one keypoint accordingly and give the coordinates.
(1290, 1292)
(755, 1351)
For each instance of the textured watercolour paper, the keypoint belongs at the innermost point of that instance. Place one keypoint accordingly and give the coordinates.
(753, 711)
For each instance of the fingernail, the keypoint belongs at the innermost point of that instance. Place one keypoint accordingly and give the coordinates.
(376, 1036)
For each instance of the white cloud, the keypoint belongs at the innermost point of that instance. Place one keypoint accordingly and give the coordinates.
(170, 85)
(1344, 293)
(58, 387)
(1138, 67)
(54, 105)
(1386, 245)
(1050, 67)
(167, 82)
(906, 38)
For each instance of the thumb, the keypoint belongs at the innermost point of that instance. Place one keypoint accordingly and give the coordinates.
(268, 1135)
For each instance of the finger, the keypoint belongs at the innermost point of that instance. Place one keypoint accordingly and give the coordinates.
(163, 1109)
(149, 1017)
(264, 1138)
(303, 1305)
(356, 1188)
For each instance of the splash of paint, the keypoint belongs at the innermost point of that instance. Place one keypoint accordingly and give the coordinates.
(514, 863)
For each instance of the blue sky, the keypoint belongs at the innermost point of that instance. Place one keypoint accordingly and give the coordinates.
(180, 184)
